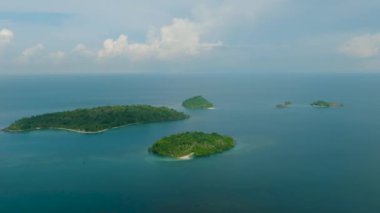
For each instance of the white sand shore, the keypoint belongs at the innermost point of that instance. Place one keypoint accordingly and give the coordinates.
(73, 130)
(80, 131)
(187, 157)
(64, 129)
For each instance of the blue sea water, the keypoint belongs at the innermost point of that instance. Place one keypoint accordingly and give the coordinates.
(300, 159)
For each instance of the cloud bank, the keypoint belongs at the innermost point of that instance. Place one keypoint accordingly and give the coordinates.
(180, 38)
(198, 30)
(30, 52)
(362, 46)
(206, 35)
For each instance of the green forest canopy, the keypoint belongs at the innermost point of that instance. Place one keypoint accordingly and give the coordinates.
(197, 102)
(196, 143)
(98, 118)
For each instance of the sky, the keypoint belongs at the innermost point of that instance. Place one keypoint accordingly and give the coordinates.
(171, 36)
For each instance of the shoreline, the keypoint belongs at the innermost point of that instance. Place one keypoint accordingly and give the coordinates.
(57, 128)
(79, 131)
(70, 130)
(186, 157)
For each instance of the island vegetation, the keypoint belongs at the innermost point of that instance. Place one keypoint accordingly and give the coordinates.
(284, 105)
(192, 144)
(197, 102)
(97, 119)
(325, 104)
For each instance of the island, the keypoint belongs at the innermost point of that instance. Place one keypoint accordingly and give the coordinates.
(98, 119)
(192, 144)
(284, 105)
(197, 102)
(325, 104)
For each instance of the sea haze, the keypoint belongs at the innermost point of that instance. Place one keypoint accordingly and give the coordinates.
(299, 159)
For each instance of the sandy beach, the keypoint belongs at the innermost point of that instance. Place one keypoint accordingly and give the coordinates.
(187, 157)
(64, 129)
(72, 130)
(80, 131)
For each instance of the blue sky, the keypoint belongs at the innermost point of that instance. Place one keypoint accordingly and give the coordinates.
(125, 36)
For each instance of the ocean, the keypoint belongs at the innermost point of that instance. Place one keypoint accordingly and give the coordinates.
(300, 159)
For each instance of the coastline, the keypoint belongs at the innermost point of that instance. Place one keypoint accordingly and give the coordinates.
(79, 131)
(70, 130)
(57, 128)
(186, 157)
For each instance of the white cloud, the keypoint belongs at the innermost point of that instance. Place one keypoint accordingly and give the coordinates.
(207, 24)
(31, 52)
(114, 47)
(6, 36)
(180, 38)
(185, 37)
(362, 46)
(57, 55)
(83, 49)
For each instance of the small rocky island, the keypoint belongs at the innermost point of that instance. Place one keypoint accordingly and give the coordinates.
(284, 105)
(97, 119)
(197, 102)
(192, 144)
(325, 104)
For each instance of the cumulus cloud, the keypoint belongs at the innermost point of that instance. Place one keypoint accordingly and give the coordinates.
(83, 49)
(362, 46)
(31, 52)
(57, 55)
(184, 37)
(180, 38)
(114, 47)
(6, 37)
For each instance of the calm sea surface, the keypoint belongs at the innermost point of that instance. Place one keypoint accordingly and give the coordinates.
(299, 159)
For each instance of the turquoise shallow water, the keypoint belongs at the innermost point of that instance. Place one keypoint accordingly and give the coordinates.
(299, 159)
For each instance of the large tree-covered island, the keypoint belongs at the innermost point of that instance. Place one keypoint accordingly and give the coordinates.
(325, 104)
(192, 144)
(197, 102)
(97, 119)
